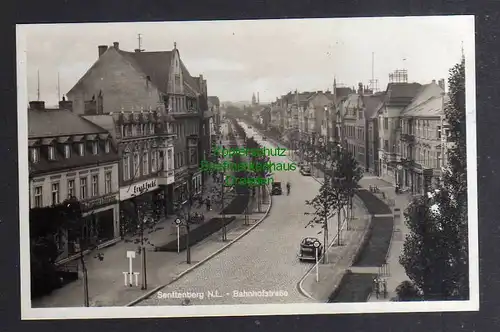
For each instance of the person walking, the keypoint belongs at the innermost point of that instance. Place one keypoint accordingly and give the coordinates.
(208, 204)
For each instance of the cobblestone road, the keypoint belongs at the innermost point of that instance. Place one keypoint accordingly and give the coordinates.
(264, 260)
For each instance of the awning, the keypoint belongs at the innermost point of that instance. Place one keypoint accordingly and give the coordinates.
(32, 142)
(63, 139)
(47, 141)
(77, 138)
(91, 137)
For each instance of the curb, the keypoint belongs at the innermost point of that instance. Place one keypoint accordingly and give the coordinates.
(363, 239)
(148, 294)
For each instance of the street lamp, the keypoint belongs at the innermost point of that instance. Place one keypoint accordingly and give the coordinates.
(141, 220)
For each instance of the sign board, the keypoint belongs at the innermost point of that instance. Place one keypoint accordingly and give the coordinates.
(130, 254)
(400, 167)
(177, 221)
(316, 244)
(138, 188)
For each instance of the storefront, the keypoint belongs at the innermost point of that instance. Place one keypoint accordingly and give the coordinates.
(100, 223)
(145, 199)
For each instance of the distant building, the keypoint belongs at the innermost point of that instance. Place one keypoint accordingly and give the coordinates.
(70, 157)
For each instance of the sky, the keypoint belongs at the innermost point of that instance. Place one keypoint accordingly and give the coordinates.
(270, 57)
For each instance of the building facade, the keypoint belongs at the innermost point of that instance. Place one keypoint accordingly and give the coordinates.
(398, 96)
(70, 157)
(121, 81)
(421, 151)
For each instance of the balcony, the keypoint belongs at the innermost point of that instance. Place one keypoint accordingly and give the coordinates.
(408, 138)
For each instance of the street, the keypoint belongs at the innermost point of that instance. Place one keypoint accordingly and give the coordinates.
(264, 260)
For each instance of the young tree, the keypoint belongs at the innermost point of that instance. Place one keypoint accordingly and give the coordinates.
(435, 252)
(325, 204)
(407, 291)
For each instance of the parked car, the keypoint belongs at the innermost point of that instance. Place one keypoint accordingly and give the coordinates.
(276, 188)
(307, 251)
(305, 170)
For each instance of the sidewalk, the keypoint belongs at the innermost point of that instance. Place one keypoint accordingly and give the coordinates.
(339, 259)
(106, 280)
(395, 273)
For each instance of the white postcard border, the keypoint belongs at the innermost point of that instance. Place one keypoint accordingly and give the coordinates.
(29, 313)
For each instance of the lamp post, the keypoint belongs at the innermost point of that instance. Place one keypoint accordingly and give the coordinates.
(141, 220)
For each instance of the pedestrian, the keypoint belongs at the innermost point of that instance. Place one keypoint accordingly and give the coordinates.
(208, 203)
(377, 287)
(396, 189)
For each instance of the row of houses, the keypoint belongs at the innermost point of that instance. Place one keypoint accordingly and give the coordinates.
(134, 127)
(398, 134)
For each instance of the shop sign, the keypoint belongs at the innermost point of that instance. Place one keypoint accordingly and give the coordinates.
(95, 203)
(138, 189)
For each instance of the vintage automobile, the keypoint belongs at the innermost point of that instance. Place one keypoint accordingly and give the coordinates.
(305, 170)
(308, 247)
(276, 188)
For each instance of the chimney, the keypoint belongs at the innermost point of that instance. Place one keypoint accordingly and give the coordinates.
(37, 105)
(66, 104)
(102, 49)
(116, 45)
(360, 89)
(441, 83)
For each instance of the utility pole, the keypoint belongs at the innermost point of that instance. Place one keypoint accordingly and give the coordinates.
(38, 86)
(58, 88)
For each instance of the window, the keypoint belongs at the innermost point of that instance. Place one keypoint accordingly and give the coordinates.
(438, 159)
(95, 148)
(67, 151)
(107, 146)
(135, 168)
(52, 153)
(386, 123)
(438, 132)
(38, 197)
(145, 163)
(151, 128)
(55, 193)
(386, 145)
(83, 188)
(126, 167)
(81, 149)
(154, 160)
(107, 182)
(95, 185)
(71, 188)
(129, 130)
(34, 155)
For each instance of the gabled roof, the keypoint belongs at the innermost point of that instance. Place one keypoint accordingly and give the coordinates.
(56, 122)
(156, 65)
(425, 93)
(372, 103)
(432, 107)
(401, 94)
(214, 100)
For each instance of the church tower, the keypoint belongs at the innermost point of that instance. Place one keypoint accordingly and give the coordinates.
(254, 101)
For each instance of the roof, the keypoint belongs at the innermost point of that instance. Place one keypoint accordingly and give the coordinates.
(156, 65)
(401, 93)
(432, 107)
(56, 122)
(351, 101)
(425, 93)
(342, 92)
(105, 121)
(372, 103)
(214, 100)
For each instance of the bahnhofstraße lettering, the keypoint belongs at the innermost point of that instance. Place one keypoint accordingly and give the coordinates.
(228, 152)
(225, 166)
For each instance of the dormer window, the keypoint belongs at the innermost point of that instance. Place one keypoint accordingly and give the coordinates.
(81, 149)
(151, 128)
(107, 146)
(34, 155)
(95, 148)
(52, 153)
(67, 151)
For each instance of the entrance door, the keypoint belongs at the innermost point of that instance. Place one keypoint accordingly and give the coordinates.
(106, 225)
